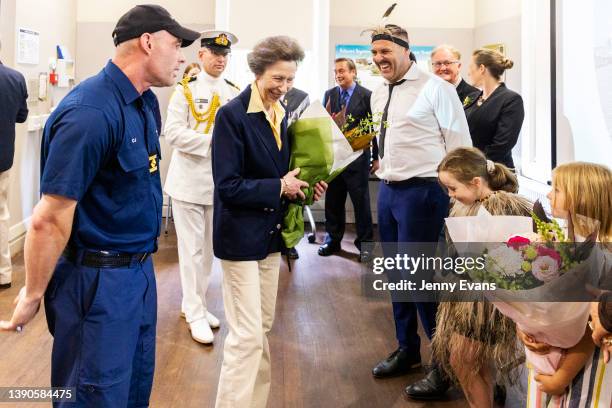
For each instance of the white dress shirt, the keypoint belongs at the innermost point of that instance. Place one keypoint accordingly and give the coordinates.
(190, 172)
(425, 121)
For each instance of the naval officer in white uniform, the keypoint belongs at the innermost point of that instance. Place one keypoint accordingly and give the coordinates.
(188, 130)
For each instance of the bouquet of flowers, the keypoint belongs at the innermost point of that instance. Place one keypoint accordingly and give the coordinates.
(534, 273)
(321, 151)
(358, 134)
(532, 259)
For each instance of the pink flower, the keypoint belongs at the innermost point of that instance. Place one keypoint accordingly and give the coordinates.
(550, 252)
(545, 268)
(517, 241)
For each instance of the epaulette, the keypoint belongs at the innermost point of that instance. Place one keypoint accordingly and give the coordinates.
(231, 84)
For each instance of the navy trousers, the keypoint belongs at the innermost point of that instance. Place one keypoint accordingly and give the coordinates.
(103, 325)
(354, 182)
(412, 212)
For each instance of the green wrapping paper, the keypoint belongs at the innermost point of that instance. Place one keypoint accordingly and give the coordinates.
(321, 151)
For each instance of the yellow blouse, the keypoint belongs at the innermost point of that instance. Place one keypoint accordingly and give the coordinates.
(278, 112)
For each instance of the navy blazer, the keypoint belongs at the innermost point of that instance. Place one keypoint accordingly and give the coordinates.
(496, 124)
(358, 107)
(247, 168)
(13, 109)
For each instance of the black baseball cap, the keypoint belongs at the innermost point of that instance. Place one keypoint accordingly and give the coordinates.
(150, 18)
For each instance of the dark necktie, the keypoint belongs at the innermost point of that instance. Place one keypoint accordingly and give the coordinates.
(383, 128)
(344, 97)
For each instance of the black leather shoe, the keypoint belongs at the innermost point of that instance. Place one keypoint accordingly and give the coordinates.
(5, 285)
(329, 248)
(292, 253)
(432, 387)
(398, 363)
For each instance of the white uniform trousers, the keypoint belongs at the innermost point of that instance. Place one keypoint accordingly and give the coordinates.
(5, 253)
(249, 298)
(193, 223)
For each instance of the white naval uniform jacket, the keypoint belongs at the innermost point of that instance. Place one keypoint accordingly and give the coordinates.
(189, 175)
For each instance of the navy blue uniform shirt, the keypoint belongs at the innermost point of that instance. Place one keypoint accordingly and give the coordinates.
(101, 148)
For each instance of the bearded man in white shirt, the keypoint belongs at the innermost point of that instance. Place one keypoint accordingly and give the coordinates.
(422, 119)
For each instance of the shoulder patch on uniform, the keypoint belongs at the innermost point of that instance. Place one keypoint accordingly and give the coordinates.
(231, 84)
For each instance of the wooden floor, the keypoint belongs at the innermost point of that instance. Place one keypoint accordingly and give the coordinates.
(325, 340)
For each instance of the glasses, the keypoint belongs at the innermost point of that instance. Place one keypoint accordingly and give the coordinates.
(445, 63)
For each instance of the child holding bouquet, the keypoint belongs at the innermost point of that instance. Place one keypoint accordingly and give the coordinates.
(471, 334)
(580, 191)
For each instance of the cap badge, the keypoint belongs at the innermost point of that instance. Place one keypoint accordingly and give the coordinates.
(222, 40)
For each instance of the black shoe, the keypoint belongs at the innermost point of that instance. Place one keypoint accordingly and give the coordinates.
(400, 362)
(432, 387)
(329, 248)
(499, 394)
(292, 253)
(365, 256)
(5, 285)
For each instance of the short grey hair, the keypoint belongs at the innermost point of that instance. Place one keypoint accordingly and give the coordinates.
(273, 49)
(448, 48)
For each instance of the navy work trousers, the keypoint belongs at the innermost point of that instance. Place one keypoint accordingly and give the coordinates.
(412, 212)
(103, 325)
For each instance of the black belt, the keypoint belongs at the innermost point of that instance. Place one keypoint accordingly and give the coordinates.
(103, 259)
(412, 181)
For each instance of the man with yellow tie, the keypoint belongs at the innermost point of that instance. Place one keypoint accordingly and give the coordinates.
(188, 130)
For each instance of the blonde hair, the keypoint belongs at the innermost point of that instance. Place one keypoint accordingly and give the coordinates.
(465, 163)
(493, 60)
(190, 67)
(588, 196)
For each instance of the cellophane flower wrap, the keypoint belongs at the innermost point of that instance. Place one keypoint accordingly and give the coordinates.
(535, 272)
(321, 151)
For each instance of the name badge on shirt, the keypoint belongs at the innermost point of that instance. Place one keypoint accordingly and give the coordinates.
(153, 163)
(201, 100)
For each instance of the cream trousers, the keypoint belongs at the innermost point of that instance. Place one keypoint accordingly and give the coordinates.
(5, 254)
(249, 298)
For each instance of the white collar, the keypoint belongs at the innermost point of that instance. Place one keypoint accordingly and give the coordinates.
(205, 76)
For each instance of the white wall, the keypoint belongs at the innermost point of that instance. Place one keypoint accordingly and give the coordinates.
(184, 11)
(500, 22)
(491, 11)
(252, 21)
(407, 13)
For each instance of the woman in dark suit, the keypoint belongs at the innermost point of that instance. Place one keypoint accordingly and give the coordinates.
(495, 116)
(250, 160)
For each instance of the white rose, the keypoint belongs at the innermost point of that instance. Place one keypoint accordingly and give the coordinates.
(504, 261)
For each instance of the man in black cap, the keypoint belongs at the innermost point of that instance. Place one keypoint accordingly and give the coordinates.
(92, 233)
(188, 130)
